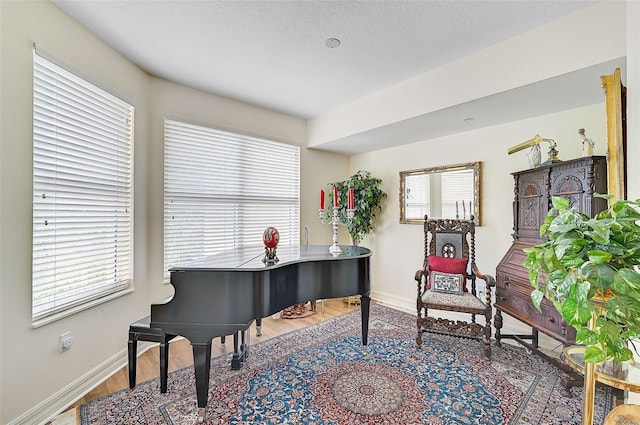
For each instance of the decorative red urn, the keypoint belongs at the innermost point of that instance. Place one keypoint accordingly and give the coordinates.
(271, 237)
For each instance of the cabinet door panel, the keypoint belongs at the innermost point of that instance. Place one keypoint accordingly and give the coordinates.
(577, 181)
(532, 203)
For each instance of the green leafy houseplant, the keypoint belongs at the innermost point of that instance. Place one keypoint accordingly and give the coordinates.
(367, 201)
(589, 269)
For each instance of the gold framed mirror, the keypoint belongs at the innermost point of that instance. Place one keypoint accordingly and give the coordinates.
(450, 191)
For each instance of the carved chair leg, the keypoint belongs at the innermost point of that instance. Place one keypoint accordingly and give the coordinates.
(487, 330)
(419, 320)
(487, 340)
(497, 321)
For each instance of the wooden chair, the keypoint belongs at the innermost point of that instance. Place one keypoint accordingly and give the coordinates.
(447, 281)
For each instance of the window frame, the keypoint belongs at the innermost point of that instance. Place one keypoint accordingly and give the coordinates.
(83, 180)
(232, 185)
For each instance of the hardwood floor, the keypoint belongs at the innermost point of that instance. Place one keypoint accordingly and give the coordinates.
(180, 354)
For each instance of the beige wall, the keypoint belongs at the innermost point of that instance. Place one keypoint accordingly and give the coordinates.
(633, 124)
(31, 368)
(594, 35)
(35, 379)
(168, 99)
(591, 36)
(398, 248)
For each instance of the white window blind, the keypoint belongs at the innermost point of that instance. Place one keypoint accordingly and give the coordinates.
(82, 198)
(221, 190)
(458, 198)
(417, 195)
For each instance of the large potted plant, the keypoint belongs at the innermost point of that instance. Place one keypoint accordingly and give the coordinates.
(367, 201)
(588, 269)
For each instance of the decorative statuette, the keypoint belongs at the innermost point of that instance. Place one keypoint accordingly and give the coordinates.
(335, 220)
(270, 237)
(534, 156)
(587, 144)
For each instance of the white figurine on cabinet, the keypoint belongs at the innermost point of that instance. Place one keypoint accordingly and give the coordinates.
(534, 156)
(587, 144)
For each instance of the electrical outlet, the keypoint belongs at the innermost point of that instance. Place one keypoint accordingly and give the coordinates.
(66, 341)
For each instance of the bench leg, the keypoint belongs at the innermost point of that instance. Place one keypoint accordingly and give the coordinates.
(164, 365)
(132, 348)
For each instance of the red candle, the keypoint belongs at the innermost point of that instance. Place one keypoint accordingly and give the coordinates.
(335, 196)
(350, 203)
(321, 199)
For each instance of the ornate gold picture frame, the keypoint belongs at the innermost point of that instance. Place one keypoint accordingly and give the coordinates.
(615, 100)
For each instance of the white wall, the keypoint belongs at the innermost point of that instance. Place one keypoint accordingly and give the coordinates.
(633, 124)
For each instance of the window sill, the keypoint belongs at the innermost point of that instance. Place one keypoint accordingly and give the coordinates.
(66, 313)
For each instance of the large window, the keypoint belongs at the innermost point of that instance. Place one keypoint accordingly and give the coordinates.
(221, 190)
(82, 198)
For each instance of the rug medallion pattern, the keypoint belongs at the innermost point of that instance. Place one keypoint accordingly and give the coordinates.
(331, 379)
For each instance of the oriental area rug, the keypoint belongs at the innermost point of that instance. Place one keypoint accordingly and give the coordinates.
(323, 375)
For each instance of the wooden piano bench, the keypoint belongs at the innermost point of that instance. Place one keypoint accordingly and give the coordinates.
(142, 331)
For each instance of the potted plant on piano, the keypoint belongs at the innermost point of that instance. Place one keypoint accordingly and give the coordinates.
(588, 269)
(367, 200)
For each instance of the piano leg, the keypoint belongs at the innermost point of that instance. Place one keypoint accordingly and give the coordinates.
(202, 366)
(243, 345)
(235, 360)
(239, 353)
(365, 300)
(259, 327)
(247, 343)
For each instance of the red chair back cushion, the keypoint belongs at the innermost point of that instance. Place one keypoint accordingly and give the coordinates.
(448, 265)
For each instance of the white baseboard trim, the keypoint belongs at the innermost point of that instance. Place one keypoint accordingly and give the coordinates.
(60, 401)
(394, 301)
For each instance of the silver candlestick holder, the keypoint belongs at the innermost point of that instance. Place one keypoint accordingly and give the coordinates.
(336, 221)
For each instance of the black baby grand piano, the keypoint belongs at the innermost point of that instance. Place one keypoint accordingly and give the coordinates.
(224, 293)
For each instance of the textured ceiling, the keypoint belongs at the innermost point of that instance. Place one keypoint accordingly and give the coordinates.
(273, 54)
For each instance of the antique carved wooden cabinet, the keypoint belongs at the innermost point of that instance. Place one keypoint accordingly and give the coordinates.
(575, 180)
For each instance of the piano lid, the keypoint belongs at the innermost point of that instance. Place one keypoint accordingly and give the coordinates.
(250, 257)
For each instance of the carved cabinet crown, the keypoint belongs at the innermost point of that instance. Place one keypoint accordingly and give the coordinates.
(576, 180)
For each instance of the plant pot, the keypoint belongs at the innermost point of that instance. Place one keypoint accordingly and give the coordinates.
(609, 367)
